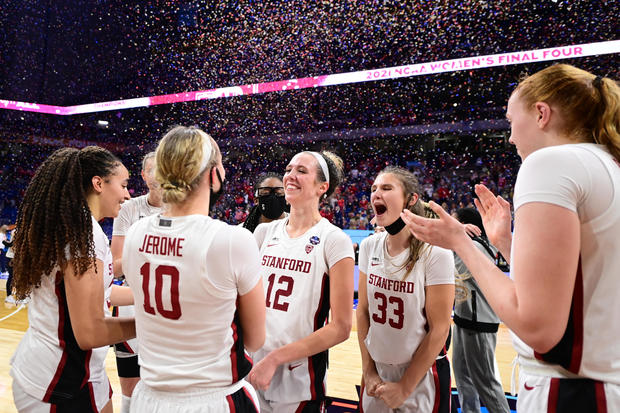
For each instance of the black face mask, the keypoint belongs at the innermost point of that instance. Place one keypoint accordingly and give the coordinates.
(216, 195)
(271, 206)
(398, 225)
(395, 227)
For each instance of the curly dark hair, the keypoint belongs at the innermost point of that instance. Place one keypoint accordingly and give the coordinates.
(54, 224)
(251, 221)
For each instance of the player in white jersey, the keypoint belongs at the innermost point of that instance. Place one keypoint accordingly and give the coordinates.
(132, 211)
(199, 297)
(406, 292)
(565, 253)
(307, 269)
(63, 262)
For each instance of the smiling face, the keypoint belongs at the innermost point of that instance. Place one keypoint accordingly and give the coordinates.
(114, 192)
(300, 179)
(524, 130)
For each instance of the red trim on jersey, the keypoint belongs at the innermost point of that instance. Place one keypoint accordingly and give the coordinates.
(301, 407)
(437, 388)
(53, 408)
(249, 396)
(231, 403)
(61, 343)
(311, 373)
(111, 391)
(346, 405)
(601, 400)
(91, 393)
(554, 393)
(87, 367)
(577, 350)
(233, 353)
(317, 314)
(569, 351)
(362, 394)
(126, 344)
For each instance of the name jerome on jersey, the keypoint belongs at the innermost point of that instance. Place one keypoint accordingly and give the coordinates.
(155, 244)
(286, 263)
(392, 285)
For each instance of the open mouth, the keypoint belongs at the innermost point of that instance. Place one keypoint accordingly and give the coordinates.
(380, 209)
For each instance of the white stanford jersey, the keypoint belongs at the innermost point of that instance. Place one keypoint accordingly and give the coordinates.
(186, 274)
(131, 211)
(295, 275)
(583, 178)
(48, 363)
(395, 303)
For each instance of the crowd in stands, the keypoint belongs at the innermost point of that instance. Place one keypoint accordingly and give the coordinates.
(155, 47)
(447, 170)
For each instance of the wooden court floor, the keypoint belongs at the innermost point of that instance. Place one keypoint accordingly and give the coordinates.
(343, 374)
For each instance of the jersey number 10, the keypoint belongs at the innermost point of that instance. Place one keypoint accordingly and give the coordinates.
(160, 272)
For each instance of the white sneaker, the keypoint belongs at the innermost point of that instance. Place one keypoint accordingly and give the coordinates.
(25, 301)
(10, 300)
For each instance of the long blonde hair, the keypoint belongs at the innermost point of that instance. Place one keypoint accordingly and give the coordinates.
(589, 105)
(410, 186)
(179, 158)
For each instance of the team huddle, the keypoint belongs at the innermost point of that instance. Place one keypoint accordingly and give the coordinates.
(213, 317)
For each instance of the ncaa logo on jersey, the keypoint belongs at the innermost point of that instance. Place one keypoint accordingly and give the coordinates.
(309, 248)
(314, 240)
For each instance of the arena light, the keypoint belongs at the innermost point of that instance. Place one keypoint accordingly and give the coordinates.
(103, 123)
(440, 66)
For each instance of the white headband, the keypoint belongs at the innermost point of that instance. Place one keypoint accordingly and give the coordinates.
(321, 160)
(207, 148)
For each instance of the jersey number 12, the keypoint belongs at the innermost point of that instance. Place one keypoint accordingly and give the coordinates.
(286, 283)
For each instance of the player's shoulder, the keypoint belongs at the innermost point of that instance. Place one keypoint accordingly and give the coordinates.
(325, 227)
(131, 206)
(141, 225)
(269, 227)
(434, 253)
(373, 240)
(133, 202)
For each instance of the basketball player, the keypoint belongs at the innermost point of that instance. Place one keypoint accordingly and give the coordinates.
(563, 294)
(269, 191)
(307, 269)
(198, 293)
(406, 292)
(63, 262)
(131, 212)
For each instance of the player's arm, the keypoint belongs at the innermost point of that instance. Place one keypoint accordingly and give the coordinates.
(369, 369)
(536, 305)
(438, 308)
(121, 295)
(85, 301)
(252, 317)
(117, 254)
(336, 331)
(244, 260)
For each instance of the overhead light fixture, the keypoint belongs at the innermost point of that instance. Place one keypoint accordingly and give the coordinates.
(102, 122)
